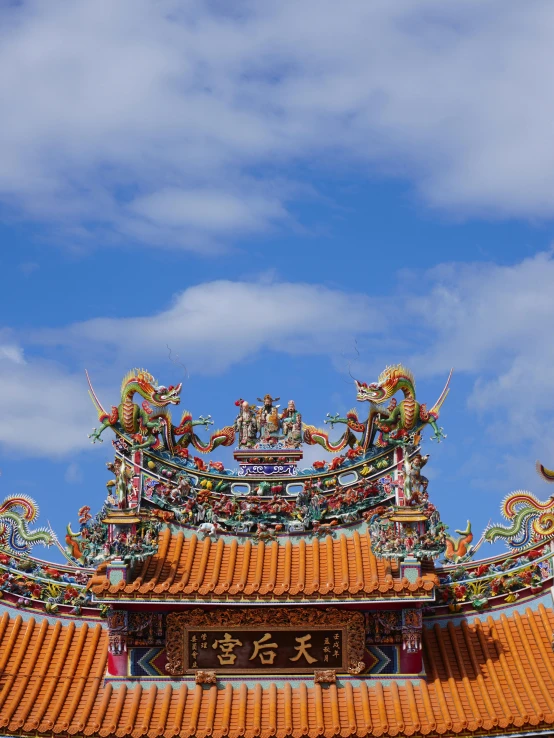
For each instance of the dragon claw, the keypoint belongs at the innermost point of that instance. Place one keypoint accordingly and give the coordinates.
(332, 419)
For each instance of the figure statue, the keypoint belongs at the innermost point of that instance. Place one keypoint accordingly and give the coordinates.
(268, 420)
(246, 426)
(123, 481)
(291, 424)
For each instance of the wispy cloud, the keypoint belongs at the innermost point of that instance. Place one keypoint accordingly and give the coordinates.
(180, 125)
(73, 474)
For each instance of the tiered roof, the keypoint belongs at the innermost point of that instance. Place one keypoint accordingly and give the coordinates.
(484, 675)
(334, 568)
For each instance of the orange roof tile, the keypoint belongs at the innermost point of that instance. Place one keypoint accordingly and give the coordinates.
(482, 676)
(189, 568)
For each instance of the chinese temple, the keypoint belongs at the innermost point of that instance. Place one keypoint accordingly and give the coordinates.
(261, 596)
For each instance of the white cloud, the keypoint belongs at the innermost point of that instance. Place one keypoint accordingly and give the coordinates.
(45, 408)
(494, 323)
(212, 210)
(167, 122)
(12, 353)
(219, 324)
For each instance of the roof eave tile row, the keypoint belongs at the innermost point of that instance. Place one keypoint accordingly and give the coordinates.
(344, 566)
(485, 676)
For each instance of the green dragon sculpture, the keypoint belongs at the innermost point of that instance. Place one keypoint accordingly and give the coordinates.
(145, 424)
(400, 419)
(530, 520)
(313, 435)
(394, 424)
(15, 513)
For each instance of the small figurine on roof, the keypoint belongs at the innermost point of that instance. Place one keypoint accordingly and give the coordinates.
(268, 420)
(246, 425)
(291, 421)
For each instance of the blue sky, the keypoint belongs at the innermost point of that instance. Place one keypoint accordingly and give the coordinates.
(278, 192)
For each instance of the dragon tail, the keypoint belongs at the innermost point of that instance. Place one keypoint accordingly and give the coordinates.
(313, 436)
(28, 506)
(544, 473)
(16, 535)
(223, 437)
(93, 396)
(522, 500)
(435, 410)
(518, 533)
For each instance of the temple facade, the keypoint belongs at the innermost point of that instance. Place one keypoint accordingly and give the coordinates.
(258, 596)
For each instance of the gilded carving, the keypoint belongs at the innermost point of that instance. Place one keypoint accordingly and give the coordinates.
(296, 617)
(325, 676)
(205, 677)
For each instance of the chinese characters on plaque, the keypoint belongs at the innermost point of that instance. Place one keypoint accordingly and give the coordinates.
(236, 649)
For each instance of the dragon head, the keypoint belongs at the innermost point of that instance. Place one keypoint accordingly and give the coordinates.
(145, 384)
(163, 396)
(385, 386)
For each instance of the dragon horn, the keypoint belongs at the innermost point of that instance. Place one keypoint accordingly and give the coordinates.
(439, 403)
(94, 398)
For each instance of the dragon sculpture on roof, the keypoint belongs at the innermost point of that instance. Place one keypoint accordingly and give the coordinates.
(394, 424)
(400, 419)
(151, 422)
(16, 512)
(531, 520)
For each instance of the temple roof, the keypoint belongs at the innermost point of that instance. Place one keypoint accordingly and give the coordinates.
(186, 568)
(484, 675)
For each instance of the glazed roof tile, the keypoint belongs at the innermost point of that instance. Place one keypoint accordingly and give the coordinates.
(190, 568)
(484, 676)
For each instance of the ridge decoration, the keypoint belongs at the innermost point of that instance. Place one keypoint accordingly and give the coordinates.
(16, 512)
(531, 520)
(376, 463)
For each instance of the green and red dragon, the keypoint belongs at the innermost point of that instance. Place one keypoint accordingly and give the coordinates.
(394, 424)
(400, 419)
(149, 426)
